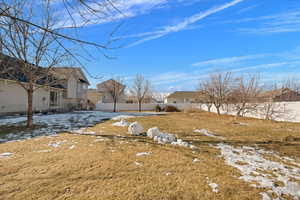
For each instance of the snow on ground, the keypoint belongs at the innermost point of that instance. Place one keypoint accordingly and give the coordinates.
(138, 164)
(277, 177)
(208, 133)
(56, 144)
(120, 117)
(163, 138)
(44, 151)
(56, 123)
(5, 155)
(122, 123)
(143, 154)
(83, 131)
(214, 187)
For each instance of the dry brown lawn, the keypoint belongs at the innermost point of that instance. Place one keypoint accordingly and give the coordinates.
(106, 167)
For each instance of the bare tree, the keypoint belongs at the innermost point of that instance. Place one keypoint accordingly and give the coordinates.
(243, 97)
(217, 88)
(140, 89)
(206, 99)
(25, 49)
(115, 88)
(275, 111)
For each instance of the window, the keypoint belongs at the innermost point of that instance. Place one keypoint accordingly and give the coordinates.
(53, 98)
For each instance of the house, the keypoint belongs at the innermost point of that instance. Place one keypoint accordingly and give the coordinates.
(103, 92)
(66, 91)
(76, 84)
(94, 96)
(184, 97)
(280, 95)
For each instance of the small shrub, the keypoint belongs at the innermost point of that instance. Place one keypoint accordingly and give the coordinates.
(158, 108)
(171, 109)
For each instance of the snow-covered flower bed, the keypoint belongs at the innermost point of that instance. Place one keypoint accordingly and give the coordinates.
(56, 123)
(262, 172)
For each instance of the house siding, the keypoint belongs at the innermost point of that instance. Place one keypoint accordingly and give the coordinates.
(13, 98)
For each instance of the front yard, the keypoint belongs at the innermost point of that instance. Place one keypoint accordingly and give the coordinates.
(234, 159)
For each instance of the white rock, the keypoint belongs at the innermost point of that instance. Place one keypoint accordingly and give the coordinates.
(135, 128)
(152, 132)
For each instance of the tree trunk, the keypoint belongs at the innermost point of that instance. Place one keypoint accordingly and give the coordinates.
(115, 105)
(30, 107)
(140, 106)
(208, 108)
(218, 110)
(239, 113)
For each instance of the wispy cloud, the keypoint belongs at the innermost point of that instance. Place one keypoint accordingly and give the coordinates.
(228, 61)
(183, 25)
(121, 9)
(278, 23)
(267, 66)
(246, 9)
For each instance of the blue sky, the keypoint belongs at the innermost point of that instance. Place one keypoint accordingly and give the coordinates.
(176, 43)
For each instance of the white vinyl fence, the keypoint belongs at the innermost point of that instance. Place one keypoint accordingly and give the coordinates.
(145, 107)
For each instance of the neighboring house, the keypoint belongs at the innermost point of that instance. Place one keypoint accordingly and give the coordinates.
(184, 97)
(280, 95)
(104, 88)
(94, 96)
(58, 96)
(76, 85)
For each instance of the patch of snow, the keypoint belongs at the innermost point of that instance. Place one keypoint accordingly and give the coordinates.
(168, 173)
(120, 117)
(56, 144)
(44, 151)
(100, 140)
(163, 138)
(143, 154)
(72, 147)
(263, 172)
(57, 123)
(196, 160)
(135, 128)
(83, 131)
(138, 164)
(208, 133)
(265, 196)
(152, 132)
(5, 155)
(214, 187)
(122, 123)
